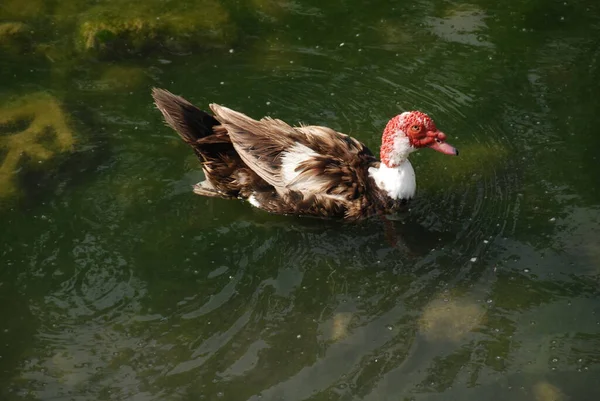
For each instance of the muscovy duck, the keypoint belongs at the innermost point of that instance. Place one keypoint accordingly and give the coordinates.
(304, 170)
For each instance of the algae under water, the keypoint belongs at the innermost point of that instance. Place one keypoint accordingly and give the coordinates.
(117, 282)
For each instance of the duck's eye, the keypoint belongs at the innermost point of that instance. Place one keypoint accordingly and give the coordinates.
(438, 140)
(415, 128)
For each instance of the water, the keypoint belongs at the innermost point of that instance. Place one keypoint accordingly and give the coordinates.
(118, 283)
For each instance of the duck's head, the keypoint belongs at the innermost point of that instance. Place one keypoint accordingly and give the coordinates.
(408, 132)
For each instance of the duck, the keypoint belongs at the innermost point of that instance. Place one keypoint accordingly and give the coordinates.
(304, 170)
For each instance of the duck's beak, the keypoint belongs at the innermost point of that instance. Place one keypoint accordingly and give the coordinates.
(440, 144)
(444, 148)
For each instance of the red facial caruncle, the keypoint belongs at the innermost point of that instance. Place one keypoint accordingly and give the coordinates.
(421, 132)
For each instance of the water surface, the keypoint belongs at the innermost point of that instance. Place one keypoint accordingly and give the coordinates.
(118, 283)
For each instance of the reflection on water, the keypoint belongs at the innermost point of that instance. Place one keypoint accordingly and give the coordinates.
(545, 391)
(449, 320)
(123, 285)
(464, 25)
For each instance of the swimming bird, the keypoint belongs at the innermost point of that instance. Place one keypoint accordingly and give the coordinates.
(301, 170)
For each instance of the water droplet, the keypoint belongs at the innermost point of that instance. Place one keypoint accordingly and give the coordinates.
(554, 360)
(553, 219)
(231, 50)
(222, 83)
(390, 328)
(299, 336)
(342, 44)
(526, 270)
(474, 260)
(268, 103)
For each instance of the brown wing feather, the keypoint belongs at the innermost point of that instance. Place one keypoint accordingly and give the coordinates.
(325, 140)
(342, 163)
(335, 168)
(259, 143)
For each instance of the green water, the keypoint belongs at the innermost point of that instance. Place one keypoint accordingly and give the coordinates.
(118, 283)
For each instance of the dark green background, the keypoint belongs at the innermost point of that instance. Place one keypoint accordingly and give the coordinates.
(118, 283)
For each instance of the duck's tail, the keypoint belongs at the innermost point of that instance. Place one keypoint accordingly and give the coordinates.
(195, 127)
(187, 120)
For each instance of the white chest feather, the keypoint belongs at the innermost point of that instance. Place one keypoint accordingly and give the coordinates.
(399, 182)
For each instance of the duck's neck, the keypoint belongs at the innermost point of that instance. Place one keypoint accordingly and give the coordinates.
(395, 147)
(398, 182)
(395, 174)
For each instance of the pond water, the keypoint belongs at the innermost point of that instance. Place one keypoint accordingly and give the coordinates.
(118, 283)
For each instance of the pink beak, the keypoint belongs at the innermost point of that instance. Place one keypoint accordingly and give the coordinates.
(444, 148)
(441, 146)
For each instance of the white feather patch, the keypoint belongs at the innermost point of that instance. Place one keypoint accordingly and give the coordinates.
(401, 149)
(399, 182)
(253, 201)
(290, 160)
